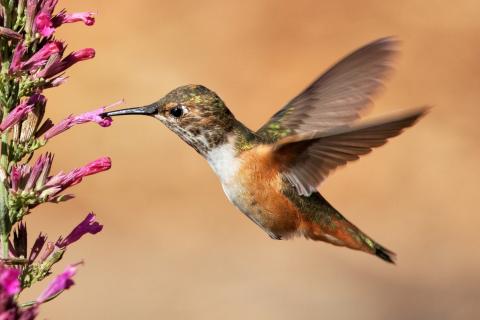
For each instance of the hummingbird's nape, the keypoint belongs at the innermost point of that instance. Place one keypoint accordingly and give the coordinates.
(149, 110)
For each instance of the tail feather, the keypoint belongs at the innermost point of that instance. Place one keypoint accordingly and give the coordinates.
(321, 221)
(385, 254)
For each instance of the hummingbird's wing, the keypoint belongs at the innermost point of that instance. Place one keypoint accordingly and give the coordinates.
(306, 159)
(338, 96)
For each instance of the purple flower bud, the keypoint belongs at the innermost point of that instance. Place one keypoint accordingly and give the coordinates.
(16, 64)
(9, 280)
(43, 24)
(48, 6)
(30, 14)
(88, 225)
(9, 33)
(47, 252)
(40, 167)
(62, 282)
(42, 55)
(16, 115)
(15, 176)
(57, 81)
(46, 164)
(63, 17)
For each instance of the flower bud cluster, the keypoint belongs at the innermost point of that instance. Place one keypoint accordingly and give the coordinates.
(33, 60)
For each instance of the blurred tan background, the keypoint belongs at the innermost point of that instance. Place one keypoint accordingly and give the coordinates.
(173, 247)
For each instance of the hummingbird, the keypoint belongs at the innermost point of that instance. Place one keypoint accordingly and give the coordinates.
(272, 175)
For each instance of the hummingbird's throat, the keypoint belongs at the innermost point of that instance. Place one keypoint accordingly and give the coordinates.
(203, 140)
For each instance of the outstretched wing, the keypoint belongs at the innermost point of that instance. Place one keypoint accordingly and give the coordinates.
(307, 159)
(338, 96)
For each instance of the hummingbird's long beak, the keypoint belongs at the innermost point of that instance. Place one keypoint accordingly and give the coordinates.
(149, 110)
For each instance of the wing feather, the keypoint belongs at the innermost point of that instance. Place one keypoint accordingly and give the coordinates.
(338, 96)
(307, 159)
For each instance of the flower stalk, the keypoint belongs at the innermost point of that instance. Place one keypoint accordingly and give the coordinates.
(32, 60)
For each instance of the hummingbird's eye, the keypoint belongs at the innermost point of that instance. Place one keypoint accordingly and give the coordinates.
(177, 111)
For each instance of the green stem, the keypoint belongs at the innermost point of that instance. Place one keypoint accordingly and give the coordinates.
(5, 224)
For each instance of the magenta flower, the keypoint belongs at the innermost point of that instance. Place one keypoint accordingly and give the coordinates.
(33, 61)
(59, 128)
(94, 116)
(75, 176)
(43, 24)
(63, 17)
(16, 115)
(96, 166)
(62, 181)
(88, 225)
(58, 66)
(26, 178)
(42, 55)
(91, 116)
(9, 280)
(62, 282)
(18, 53)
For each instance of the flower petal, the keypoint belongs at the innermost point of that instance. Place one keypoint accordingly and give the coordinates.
(62, 282)
(88, 225)
(9, 280)
(43, 24)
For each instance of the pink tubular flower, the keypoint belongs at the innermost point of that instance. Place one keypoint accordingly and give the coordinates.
(62, 282)
(94, 116)
(59, 66)
(64, 125)
(26, 178)
(96, 166)
(91, 116)
(88, 225)
(42, 55)
(9, 280)
(63, 17)
(43, 24)
(76, 175)
(16, 115)
(62, 181)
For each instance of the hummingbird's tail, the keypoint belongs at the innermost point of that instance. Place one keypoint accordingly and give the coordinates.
(327, 224)
(345, 234)
(384, 254)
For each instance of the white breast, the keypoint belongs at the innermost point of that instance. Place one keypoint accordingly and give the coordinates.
(225, 164)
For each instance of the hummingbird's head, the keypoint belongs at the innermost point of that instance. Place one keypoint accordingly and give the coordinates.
(195, 113)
